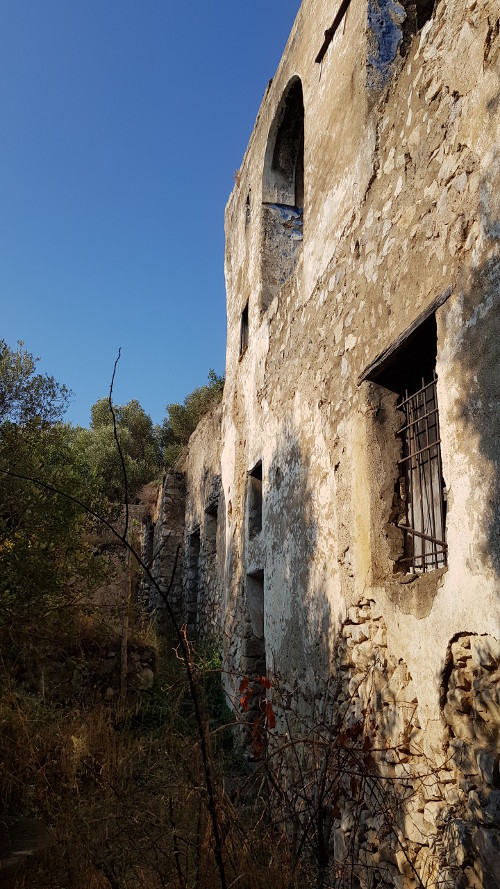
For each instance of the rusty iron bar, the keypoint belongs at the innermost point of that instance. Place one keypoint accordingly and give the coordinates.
(332, 30)
(421, 534)
(432, 515)
(414, 394)
(440, 475)
(422, 450)
(423, 417)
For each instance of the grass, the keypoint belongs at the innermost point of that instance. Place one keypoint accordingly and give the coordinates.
(119, 783)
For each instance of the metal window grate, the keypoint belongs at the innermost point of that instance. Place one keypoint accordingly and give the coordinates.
(425, 546)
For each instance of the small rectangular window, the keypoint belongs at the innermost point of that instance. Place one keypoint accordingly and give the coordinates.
(253, 660)
(192, 582)
(244, 330)
(210, 530)
(254, 500)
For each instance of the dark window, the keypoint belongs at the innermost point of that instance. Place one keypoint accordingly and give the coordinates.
(255, 602)
(193, 582)
(248, 210)
(210, 531)
(425, 8)
(244, 330)
(254, 495)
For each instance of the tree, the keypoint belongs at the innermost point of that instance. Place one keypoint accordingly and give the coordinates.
(26, 396)
(182, 419)
(44, 550)
(140, 443)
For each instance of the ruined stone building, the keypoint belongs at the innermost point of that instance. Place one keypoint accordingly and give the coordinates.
(344, 497)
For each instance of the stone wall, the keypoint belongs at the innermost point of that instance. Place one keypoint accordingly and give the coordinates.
(162, 549)
(400, 219)
(387, 811)
(204, 533)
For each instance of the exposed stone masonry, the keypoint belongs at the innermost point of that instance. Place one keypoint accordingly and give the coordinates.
(419, 820)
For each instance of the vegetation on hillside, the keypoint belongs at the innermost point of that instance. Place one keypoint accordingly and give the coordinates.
(88, 764)
(44, 550)
(46, 553)
(182, 419)
(140, 443)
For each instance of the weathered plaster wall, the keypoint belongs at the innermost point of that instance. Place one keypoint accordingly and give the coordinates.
(398, 206)
(401, 185)
(401, 215)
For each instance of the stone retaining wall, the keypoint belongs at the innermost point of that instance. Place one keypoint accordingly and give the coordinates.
(162, 549)
(380, 795)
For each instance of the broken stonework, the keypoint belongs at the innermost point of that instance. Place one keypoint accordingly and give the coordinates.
(439, 816)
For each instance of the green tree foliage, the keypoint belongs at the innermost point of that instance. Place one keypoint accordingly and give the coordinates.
(26, 396)
(182, 419)
(43, 548)
(140, 443)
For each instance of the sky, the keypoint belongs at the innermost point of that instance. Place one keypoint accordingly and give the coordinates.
(121, 127)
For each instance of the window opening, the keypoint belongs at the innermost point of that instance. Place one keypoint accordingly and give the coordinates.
(408, 369)
(248, 210)
(193, 583)
(254, 494)
(283, 194)
(244, 330)
(255, 601)
(253, 662)
(210, 531)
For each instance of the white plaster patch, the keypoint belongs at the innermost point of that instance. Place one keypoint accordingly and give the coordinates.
(389, 164)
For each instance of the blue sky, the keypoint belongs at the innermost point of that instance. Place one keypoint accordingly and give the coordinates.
(122, 124)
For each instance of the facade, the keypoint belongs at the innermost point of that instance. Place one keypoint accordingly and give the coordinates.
(345, 496)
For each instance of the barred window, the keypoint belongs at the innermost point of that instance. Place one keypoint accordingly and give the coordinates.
(408, 368)
(421, 479)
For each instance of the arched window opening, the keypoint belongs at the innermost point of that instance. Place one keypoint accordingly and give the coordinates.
(283, 194)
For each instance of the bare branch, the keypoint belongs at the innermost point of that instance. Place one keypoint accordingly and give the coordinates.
(117, 440)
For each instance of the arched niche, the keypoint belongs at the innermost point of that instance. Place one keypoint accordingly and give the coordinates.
(283, 193)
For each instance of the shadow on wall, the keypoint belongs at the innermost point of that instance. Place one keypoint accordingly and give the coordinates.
(477, 355)
(477, 337)
(470, 698)
(298, 611)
